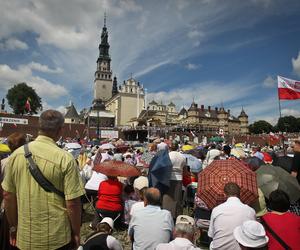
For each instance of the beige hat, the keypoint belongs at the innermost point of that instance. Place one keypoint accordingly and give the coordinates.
(141, 182)
(108, 221)
(251, 234)
(185, 219)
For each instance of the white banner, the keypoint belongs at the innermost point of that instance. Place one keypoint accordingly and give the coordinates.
(13, 120)
(109, 134)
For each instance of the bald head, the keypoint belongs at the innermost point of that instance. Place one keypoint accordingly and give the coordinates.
(152, 197)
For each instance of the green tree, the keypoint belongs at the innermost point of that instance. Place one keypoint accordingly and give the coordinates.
(260, 127)
(298, 124)
(18, 95)
(287, 124)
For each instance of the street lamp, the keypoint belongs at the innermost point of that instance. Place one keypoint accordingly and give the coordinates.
(98, 125)
(98, 106)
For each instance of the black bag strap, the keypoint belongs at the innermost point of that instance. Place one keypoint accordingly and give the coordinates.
(282, 243)
(38, 176)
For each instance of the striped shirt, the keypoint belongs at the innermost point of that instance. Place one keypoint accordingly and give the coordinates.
(42, 216)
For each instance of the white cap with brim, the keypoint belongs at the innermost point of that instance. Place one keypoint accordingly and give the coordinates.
(251, 234)
(185, 219)
(108, 221)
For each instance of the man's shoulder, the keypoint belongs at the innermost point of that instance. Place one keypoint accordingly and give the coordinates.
(52, 148)
(219, 207)
(164, 246)
(146, 210)
(237, 206)
(176, 155)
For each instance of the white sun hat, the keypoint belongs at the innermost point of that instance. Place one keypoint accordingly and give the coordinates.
(141, 182)
(251, 234)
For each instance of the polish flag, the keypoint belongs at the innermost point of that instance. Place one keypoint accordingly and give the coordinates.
(288, 89)
(27, 105)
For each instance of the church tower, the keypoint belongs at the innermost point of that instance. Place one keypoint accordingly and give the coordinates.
(103, 84)
(243, 118)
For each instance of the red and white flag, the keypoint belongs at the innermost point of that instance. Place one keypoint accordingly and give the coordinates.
(288, 89)
(27, 105)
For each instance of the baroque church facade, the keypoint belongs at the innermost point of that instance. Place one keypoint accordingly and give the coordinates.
(124, 105)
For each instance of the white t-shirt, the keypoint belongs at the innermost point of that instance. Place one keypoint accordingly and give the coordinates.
(178, 162)
(224, 219)
(94, 182)
(177, 244)
(162, 146)
(136, 206)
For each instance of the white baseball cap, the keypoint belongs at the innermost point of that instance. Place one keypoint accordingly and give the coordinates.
(185, 219)
(108, 221)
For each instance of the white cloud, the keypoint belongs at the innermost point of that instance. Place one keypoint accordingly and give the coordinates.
(269, 82)
(293, 112)
(151, 68)
(44, 88)
(143, 36)
(194, 33)
(130, 5)
(61, 109)
(43, 68)
(191, 66)
(296, 64)
(182, 4)
(207, 93)
(13, 44)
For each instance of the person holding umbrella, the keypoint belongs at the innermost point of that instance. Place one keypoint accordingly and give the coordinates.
(226, 217)
(109, 203)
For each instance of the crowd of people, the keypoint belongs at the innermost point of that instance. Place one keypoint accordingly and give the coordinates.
(46, 212)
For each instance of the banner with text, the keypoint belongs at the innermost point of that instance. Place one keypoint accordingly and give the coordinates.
(13, 120)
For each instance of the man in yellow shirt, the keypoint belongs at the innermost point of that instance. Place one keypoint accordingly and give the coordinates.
(39, 219)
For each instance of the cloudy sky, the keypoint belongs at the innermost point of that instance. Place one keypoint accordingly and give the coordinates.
(214, 51)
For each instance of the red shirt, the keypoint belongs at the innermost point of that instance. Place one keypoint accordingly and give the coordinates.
(109, 195)
(286, 226)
